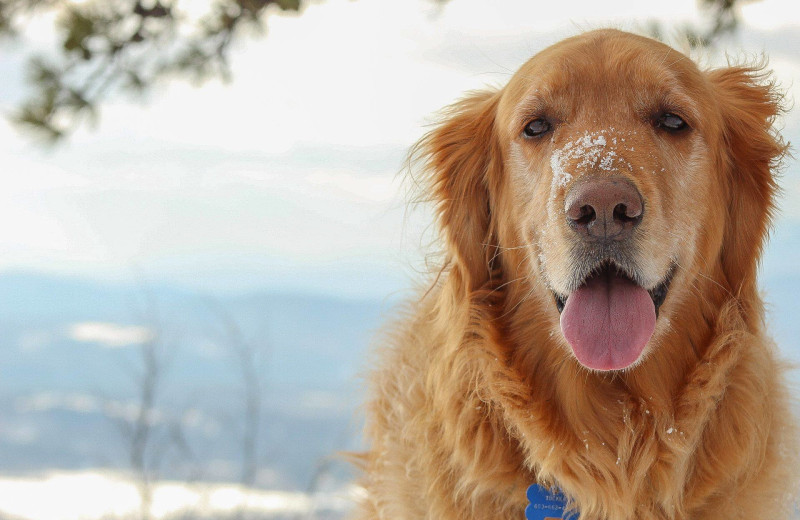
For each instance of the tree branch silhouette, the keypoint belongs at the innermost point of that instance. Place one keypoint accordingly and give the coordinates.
(114, 46)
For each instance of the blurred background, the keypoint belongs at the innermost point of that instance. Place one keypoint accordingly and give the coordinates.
(204, 224)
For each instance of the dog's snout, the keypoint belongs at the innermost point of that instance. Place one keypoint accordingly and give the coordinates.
(604, 208)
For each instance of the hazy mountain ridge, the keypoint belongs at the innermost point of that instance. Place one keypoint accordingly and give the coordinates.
(66, 397)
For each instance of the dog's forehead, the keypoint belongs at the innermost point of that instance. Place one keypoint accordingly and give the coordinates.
(595, 68)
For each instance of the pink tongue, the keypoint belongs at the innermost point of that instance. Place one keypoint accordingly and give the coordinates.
(607, 322)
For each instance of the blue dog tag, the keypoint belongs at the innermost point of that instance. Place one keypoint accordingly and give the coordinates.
(546, 505)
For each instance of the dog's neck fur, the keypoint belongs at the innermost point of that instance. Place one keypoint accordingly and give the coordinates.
(528, 385)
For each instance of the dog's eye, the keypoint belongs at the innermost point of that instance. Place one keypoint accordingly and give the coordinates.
(536, 128)
(670, 122)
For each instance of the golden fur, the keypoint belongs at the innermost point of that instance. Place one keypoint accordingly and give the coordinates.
(478, 395)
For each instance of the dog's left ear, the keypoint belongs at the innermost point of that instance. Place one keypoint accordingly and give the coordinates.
(463, 162)
(749, 104)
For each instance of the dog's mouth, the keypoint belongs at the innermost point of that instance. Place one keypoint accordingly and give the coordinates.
(606, 269)
(609, 318)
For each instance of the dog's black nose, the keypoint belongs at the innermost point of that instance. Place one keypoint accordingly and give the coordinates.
(607, 208)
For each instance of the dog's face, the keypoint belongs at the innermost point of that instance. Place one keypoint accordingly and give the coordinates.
(608, 157)
(612, 178)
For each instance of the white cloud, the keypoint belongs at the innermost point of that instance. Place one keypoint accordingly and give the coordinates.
(80, 403)
(77, 403)
(46, 401)
(110, 335)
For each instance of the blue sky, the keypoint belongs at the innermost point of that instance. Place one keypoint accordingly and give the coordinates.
(287, 177)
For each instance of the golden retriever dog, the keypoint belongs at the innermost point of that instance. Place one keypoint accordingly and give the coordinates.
(596, 328)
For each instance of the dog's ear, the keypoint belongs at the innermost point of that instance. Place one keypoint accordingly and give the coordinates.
(749, 104)
(462, 162)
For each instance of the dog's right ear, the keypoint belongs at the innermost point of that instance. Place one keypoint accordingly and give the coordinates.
(463, 160)
(749, 103)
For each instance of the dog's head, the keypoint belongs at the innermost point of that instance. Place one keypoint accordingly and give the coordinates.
(608, 177)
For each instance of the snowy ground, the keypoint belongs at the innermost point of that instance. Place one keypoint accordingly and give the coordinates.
(90, 495)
